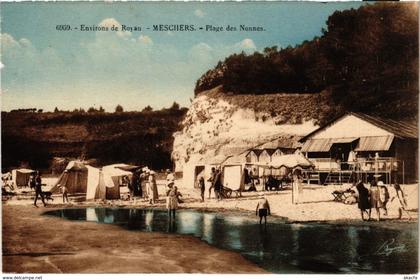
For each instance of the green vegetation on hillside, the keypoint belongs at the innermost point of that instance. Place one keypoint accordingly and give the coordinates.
(143, 138)
(286, 108)
(367, 58)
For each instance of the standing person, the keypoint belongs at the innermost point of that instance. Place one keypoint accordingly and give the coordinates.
(130, 186)
(38, 189)
(135, 184)
(217, 185)
(401, 198)
(143, 186)
(263, 208)
(375, 201)
(139, 182)
(32, 182)
(64, 191)
(153, 186)
(400, 194)
(383, 196)
(352, 160)
(172, 201)
(363, 202)
(202, 187)
(211, 180)
(296, 186)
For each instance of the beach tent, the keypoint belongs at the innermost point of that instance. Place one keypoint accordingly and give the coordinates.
(127, 167)
(113, 179)
(21, 176)
(75, 177)
(233, 177)
(191, 172)
(105, 183)
(96, 188)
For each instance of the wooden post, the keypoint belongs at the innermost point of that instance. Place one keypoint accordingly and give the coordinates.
(390, 171)
(403, 167)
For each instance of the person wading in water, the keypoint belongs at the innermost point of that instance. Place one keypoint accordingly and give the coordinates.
(263, 209)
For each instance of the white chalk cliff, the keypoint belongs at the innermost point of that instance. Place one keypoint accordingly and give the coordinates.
(216, 127)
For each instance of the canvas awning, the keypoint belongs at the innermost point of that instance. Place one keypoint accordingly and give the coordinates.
(128, 167)
(374, 143)
(324, 145)
(288, 161)
(112, 175)
(344, 140)
(114, 171)
(317, 145)
(76, 166)
(25, 170)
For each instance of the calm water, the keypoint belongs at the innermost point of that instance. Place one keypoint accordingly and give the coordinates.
(280, 247)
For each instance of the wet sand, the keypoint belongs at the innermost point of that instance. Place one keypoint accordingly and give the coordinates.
(34, 243)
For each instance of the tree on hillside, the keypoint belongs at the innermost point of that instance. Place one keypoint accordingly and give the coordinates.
(368, 58)
(147, 109)
(119, 109)
(56, 110)
(175, 107)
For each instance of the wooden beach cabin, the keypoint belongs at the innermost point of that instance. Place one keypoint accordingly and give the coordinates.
(270, 151)
(364, 146)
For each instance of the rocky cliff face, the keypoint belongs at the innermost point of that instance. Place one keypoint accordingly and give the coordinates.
(218, 125)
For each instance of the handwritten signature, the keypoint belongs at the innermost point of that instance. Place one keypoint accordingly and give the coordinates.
(386, 249)
(389, 247)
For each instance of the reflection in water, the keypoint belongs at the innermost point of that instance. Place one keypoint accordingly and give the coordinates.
(149, 221)
(188, 222)
(91, 215)
(279, 247)
(208, 221)
(172, 226)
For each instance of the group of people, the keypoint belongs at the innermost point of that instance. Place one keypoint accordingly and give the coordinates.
(143, 184)
(377, 197)
(215, 184)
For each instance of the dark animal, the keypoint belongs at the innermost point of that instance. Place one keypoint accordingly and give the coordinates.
(47, 195)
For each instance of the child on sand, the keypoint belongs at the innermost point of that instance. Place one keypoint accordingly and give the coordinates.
(202, 187)
(172, 201)
(64, 191)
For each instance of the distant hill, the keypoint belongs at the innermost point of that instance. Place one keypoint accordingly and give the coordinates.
(366, 58)
(34, 139)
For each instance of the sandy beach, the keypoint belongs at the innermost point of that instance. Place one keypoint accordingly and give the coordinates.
(34, 243)
(316, 203)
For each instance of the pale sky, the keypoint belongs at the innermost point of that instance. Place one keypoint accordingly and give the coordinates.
(45, 68)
